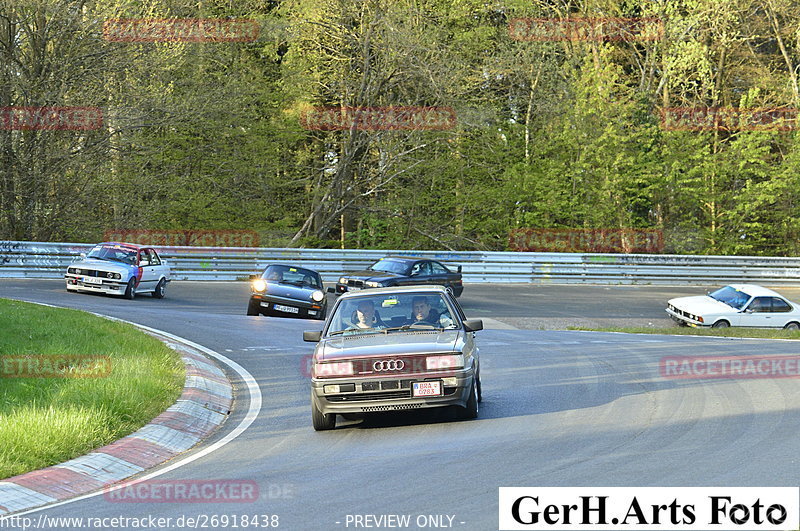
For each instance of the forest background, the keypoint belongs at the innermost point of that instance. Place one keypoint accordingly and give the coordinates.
(563, 133)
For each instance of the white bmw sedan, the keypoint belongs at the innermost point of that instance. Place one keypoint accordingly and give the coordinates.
(736, 305)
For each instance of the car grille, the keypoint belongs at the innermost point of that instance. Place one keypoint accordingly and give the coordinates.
(683, 313)
(90, 272)
(389, 395)
(395, 407)
(370, 396)
(410, 365)
(355, 283)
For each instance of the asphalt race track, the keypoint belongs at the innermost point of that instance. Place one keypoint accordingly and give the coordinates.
(560, 408)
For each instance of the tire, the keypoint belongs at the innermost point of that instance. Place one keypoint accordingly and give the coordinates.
(253, 308)
(792, 326)
(130, 291)
(161, 289)
(321, 421)
(480, 394)
(721, 324)
(471, 410)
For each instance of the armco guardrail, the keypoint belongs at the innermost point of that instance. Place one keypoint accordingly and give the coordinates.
(50, 260)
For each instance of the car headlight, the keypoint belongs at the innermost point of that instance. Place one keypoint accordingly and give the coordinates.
(330, 370)
(317, 296)
(451, 361)
(260, 284)
(342, 280)
(372, 284)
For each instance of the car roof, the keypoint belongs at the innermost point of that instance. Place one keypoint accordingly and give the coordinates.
(295, 266)
(754, 290)
(404, 258)
(395, 289)
(131, 245)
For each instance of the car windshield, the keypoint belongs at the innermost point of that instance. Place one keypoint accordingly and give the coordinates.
(292, 275)
(389, 313)
(390, 266)
(116, 253)
(731, 296)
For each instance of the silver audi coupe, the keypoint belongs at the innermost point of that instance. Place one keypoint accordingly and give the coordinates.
(390, 349)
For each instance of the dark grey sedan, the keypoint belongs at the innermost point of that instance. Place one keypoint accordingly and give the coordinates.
(392, 349)
(402, 271)
(287, 291)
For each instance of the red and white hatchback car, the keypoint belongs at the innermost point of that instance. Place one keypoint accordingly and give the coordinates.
(119, 269)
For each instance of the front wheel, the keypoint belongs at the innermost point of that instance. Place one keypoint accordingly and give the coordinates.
(320, 420)
(130, 290)
(792, 326)
(471, 409)
(161, 289)
(721, 324)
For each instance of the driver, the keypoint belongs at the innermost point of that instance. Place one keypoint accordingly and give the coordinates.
(422, 312)
(275, 274)
(365, 316)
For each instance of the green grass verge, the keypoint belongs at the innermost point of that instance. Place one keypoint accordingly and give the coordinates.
(690, 331)
(44, 421)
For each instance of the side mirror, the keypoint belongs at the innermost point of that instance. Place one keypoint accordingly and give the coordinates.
(331, 290)
(253, 277)
(312, 336)
(458, 269)
(473, 325)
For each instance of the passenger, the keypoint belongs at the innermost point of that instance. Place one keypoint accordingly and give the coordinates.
(365, 317)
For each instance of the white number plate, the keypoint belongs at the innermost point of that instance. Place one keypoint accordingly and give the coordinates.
(427, 388)
(287, 309)
(92, 280)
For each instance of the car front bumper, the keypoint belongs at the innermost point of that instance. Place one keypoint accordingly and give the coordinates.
(390, 394)
(305, 309)
(109, 287)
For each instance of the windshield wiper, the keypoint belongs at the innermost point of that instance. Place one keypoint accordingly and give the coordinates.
(354, 331)
(412, 327)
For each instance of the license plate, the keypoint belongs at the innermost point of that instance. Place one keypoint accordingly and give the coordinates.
(427, 388)
(92, 280)
(287, 309)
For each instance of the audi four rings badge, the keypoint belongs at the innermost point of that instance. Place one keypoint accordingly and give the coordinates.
(388, 365)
